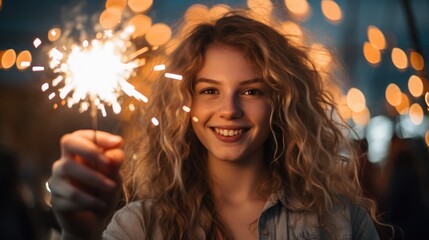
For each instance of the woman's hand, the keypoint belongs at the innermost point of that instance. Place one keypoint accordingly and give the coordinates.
(85, 183)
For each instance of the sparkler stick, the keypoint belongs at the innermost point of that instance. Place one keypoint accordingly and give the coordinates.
(94, 115)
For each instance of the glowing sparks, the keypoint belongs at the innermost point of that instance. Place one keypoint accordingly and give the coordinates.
(25, 64)
(138, 52)
(52, 95)
(37, 42)
(155, 121)
(160, 67)
(45, 87)
(186, 109)
(173, 76)
(38, 68)
(94, 72)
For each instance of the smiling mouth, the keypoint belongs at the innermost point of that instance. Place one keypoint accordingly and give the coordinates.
(229, 132)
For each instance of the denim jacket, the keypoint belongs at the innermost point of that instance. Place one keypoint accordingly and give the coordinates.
(275, 222)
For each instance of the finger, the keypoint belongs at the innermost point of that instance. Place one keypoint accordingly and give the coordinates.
(63, 192)
(75, 144)
(85, 175)
(116, 158)
(103, 139)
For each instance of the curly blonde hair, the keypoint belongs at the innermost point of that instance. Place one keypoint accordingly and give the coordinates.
(304, 153)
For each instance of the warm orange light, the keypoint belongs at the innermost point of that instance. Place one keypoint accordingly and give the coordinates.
(218, 10)
(344, 110)
(399, 58)
(158, 34)
(393, 94)
(118, 4)
(292, 30)
(403, 107)
(110, 18)
(320, 55)
(54, 34)
(331, 10)
(171, 45)
(23, 60)
(299, 8)
(7, 58)
(196, 13)
(361, 118)
(371, 54)
(376, 37)
(415, 85)
(416, 114)
(141, 24)
(140, 5)
(356, 100)
(417, 61)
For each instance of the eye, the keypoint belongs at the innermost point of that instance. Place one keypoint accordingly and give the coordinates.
(208, 91)
(253, 92)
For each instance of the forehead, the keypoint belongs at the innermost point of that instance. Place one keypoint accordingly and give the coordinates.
(224, 61)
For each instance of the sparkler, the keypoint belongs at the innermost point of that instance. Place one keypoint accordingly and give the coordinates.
(94, 74)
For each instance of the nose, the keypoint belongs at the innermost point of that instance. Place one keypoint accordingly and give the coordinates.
(230, 107)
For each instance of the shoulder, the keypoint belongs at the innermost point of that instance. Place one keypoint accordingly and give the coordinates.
(127, 223)
(361, 224)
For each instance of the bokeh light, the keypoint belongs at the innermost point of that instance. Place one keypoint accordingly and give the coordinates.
(343, 109)
(393, 94)
(371, 54)
(404, 105)
(7, 58)
(158, 34)
(356, 100)
(218, 11)
(140, 5)
(361, 118)
(141, 24)
(299, 8)
(415, 86)
(378, 133)
(417, 61)
(293, 31)
(331, 11)
(23, 60)
(196, 13)
(416, 114)
(118, 4)
(320, 56)
(54, 34)
(399, 58)
(376, 37)
(110, 18)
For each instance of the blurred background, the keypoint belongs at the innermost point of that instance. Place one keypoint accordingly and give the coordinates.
(382, 47)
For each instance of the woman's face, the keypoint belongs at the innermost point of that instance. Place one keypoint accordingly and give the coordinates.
(229, 107)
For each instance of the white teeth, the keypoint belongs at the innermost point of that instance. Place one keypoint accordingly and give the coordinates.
(227, 132)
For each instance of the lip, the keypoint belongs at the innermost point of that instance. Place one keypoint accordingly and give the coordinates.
(230, 139)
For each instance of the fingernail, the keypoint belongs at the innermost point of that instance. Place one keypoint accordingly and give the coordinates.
(115, 139)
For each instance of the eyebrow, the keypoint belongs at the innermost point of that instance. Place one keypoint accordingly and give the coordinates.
(212, 81)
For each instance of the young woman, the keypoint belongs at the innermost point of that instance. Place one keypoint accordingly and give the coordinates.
(259, 156)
